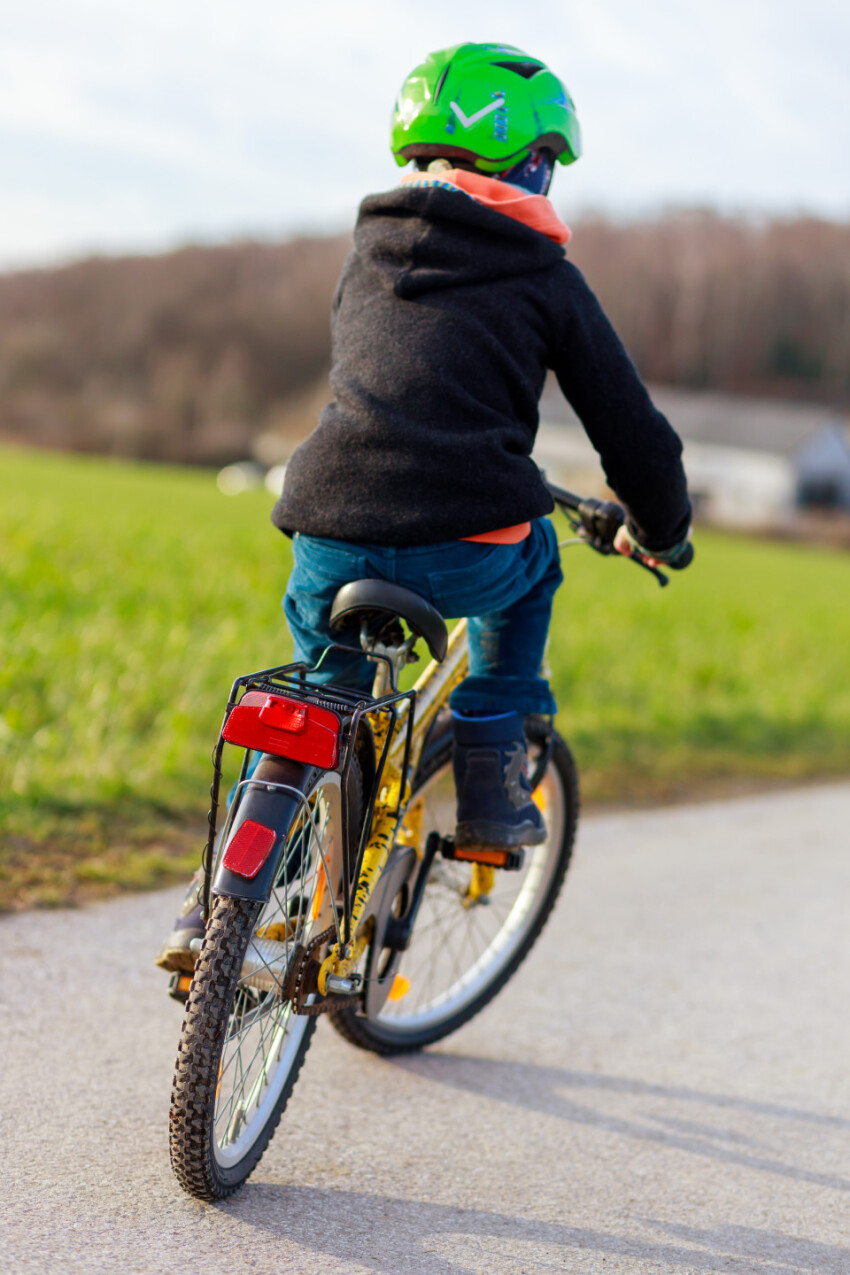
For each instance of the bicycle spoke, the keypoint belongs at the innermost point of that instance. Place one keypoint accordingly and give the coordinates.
(261, 1024)
(457, 947)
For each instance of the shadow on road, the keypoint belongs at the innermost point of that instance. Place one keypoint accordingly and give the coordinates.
(391, 1235)
(531, 1087)
(394, 1236)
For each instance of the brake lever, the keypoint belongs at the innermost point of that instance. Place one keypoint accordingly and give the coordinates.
(596, 526)
(662, 579)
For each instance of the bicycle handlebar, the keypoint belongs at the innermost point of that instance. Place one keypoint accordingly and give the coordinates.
(597, 523)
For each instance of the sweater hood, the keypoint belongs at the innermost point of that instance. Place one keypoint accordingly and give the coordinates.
(419, 239)
(535, 211)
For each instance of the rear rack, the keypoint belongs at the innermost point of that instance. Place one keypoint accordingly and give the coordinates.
(352, 706)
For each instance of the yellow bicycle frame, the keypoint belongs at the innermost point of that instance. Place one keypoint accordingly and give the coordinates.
(433, 688)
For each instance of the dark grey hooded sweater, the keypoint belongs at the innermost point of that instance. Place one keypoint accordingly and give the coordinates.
(446, 318)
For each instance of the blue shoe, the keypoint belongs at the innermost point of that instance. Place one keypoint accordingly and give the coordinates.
(494, 802)
(176, 953)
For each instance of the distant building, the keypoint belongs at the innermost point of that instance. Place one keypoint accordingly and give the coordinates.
(822, 467)
(750, 462)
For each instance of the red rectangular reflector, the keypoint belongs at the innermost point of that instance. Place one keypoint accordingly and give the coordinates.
(285, 728)
(249, 848)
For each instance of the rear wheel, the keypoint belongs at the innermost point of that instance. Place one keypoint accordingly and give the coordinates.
(465, 948)
(241, 1045)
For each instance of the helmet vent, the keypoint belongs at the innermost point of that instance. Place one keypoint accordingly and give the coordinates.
(441, 82)
(525, 69)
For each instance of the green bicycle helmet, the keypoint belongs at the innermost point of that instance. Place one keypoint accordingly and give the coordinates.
(485, 106)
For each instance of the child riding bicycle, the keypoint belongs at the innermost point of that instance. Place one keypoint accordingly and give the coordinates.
(454, 303)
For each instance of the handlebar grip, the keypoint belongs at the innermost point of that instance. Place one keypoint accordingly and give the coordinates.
(684, 559)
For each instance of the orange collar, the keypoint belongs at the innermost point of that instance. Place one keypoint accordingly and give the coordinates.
(532, 210)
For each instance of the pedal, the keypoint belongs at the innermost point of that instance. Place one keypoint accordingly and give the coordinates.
(178, 987)
(509, 859)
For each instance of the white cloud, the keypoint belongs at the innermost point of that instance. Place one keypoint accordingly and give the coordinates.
(145, 123)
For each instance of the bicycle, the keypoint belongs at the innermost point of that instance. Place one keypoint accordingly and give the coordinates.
(334, 886)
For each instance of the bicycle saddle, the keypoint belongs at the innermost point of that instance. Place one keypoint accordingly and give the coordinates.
(378, 602)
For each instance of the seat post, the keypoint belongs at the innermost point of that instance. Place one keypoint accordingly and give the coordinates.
(386, 674)
(383, 683)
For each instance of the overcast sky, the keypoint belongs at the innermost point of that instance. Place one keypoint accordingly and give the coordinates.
(145, 123)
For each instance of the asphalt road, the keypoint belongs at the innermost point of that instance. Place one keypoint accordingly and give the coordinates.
(663, 1087)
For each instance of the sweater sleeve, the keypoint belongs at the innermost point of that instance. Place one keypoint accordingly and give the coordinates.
(640, 453)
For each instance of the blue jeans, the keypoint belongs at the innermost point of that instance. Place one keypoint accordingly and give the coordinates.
(505, 590)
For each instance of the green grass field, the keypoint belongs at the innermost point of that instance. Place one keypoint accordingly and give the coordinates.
(133, 594)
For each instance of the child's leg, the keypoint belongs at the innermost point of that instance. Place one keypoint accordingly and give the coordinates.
(509, 599)
(506, 645)
(507, 590)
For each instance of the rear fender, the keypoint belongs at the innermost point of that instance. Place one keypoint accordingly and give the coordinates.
(274, 797)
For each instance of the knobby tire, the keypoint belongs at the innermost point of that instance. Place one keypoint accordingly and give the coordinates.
(212, 1021)
(196, 1071)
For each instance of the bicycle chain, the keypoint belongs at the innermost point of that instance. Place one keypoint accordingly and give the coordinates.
(295, 989)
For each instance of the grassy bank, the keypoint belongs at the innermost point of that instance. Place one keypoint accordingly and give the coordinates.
(131, 595)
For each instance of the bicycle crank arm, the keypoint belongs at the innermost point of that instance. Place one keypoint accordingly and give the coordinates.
(398, 931)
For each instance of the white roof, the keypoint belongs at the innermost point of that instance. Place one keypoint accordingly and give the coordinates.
(726, 420)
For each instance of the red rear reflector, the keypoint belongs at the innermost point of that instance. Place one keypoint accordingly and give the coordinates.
(285, 728)
(249, 848)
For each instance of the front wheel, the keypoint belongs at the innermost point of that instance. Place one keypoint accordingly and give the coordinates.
(465, 946)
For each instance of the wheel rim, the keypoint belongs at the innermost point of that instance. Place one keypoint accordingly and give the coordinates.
(263, 1036)
(456, 951)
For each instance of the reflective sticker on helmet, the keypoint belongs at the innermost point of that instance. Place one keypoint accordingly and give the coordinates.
(468, 120)
(500, 122)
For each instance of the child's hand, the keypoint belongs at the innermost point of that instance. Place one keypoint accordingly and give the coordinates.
(679, 556)
(625, 545)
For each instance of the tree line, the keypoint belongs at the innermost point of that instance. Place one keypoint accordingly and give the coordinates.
(205, 353)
